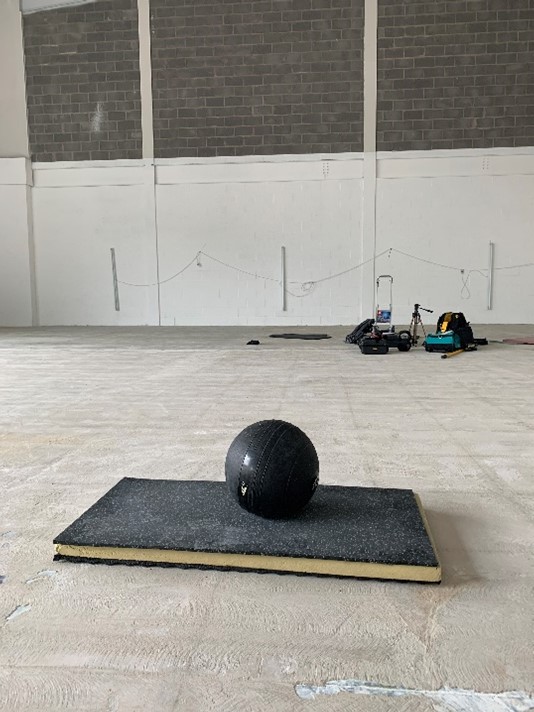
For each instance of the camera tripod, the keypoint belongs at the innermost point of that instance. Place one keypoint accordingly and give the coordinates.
(417, 321)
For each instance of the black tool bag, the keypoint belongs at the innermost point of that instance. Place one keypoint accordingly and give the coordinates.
(372, 345)
(456, 322)
(360, 331)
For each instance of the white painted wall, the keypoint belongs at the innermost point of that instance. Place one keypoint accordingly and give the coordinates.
(240, 212)
(78, 218)
(451, 221)
(312, 208)
(444, 207)
(15, 287)
(13, 131)
(17, 303)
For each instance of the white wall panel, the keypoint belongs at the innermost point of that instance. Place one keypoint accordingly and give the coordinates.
(240, 171)
(313, 208)
(451, 220)
(15, 241)
(75, 227)
(245, 225)
(432, 164)
(15, 291)
(87, 174)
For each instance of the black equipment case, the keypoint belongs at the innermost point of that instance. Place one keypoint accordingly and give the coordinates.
(372, 345)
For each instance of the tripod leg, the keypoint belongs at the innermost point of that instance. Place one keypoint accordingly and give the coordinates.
(422, 327)
(415, 336)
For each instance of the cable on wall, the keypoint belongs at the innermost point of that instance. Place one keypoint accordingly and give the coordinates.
(474, 269)
(308, 286)
(164, 281)
(238, 269)
(465, 274)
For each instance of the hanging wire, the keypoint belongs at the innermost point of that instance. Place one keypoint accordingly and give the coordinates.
(163, 281)
(305, 286)
(465, 275)
(526, 264)
(421, 259)
(308, 286)
(465, 292)
(238, 269)
(440, 264)
(345, 271)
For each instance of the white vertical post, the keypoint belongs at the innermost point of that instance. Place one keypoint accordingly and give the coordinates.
(115, 280)
(145, 70)
(14, 144)
(34, 297)
(368, 252)
(147, 120)
(490, 274)
(284, 280)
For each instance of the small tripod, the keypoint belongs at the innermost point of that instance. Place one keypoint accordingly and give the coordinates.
(417, 321)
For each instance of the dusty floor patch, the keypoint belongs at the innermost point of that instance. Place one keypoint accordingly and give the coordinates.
(453, 700)
(46, 574)
(18, 611)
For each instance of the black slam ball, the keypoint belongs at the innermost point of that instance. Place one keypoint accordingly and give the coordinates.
(272, 469)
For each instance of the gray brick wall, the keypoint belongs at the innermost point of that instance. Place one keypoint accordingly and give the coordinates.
(236, 77)
(82, 73)
(455, 74)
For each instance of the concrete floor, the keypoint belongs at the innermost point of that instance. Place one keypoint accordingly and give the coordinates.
(81, 408)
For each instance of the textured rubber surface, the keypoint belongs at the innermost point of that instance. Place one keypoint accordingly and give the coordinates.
(345, 524)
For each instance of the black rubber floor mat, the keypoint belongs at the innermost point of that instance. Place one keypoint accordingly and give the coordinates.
(345, 531)
(304, 337)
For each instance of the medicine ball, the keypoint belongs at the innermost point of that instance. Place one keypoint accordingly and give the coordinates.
(272, 469)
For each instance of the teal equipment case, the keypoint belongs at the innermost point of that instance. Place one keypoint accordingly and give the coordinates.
(443, 342)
